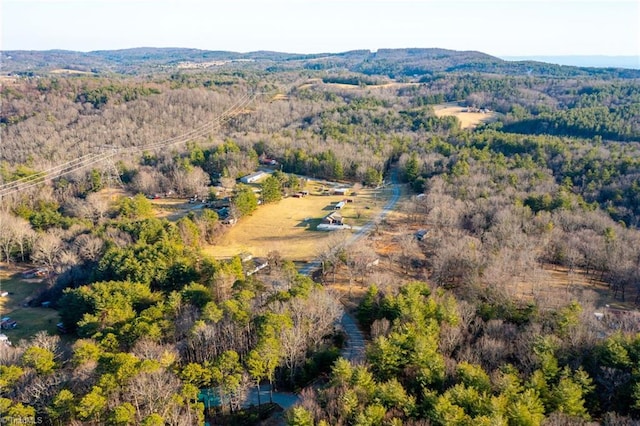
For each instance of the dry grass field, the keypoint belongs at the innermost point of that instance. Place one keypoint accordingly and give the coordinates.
(468, 119)
(288, 226)
(70, 72)
(316, 82)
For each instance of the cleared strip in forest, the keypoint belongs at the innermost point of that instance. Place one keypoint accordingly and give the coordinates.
(69, 167)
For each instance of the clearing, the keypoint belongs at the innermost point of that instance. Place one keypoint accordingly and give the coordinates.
(288, 226)
(30, 320)
(469, 117)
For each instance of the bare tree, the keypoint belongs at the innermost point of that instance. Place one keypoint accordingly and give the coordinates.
(48, 249)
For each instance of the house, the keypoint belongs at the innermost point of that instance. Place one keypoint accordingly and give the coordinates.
(256, 265)
(334, 218)
(268, 161)
(253, 177)
(339, 205)
(341, 191)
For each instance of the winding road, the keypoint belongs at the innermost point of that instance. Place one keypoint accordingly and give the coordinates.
(354, 349)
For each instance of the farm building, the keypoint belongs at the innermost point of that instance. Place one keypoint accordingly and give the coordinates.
(255, 264)
(328, 227)
(333, 219)
(341, 191)
(339, 205)
(253, 177)
(268, 161)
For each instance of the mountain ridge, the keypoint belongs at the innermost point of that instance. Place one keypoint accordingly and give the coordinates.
(405, 62)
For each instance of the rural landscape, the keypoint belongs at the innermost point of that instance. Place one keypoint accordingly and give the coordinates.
(399, 237)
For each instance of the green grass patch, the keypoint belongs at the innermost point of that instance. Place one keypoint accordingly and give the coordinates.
(30, 320)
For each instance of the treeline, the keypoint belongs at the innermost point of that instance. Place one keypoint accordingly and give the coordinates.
(435, 360)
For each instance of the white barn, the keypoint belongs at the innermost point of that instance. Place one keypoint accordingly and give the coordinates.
(253, 177)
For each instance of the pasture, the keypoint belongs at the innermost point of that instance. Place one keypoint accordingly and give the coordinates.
(469, 118)
(288, 226)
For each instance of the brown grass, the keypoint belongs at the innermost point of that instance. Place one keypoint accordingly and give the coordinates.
(67, 71)
(281, 226)
(468, 120)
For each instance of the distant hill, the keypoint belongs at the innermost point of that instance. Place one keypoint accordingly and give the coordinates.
(394, 63)
(597, 61)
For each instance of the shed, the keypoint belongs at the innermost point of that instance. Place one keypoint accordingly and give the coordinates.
(339, 205)
(253, 177)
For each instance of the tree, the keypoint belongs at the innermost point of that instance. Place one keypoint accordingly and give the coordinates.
(226, 373)
(271, 190)
(372, 177)
(42, 360)
(63, 407)
(91, 406)
(8, 237)
(245, 200)
(262, 362)
(299, 416)
(411, 168)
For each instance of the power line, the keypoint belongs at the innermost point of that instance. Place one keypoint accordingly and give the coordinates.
(71, 166)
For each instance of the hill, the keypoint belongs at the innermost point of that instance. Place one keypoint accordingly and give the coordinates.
(390, 62)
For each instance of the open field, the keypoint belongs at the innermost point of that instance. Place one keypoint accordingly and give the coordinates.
(468, 119)
(70, 72)
(282, 226)
(317, 81)
(173, 208)
(30, 320)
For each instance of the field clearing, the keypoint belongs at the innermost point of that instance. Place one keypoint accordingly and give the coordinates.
(557, 286)
(317, 82)
(282, 226)
(468, 119)
(30, 320)
(71, 72)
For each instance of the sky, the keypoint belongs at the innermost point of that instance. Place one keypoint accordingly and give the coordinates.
(500, 28)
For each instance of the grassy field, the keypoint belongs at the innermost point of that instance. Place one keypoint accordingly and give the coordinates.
(468, 120)
(288, 226)
(30, 320)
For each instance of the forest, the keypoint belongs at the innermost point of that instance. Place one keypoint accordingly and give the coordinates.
(464, 328)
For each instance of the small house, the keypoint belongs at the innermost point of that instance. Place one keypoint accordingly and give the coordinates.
(253, 177)
(333, 219)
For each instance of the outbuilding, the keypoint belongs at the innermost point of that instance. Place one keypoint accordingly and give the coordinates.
(253, 177)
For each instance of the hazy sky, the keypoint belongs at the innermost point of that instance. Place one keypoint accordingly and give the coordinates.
(506, 27)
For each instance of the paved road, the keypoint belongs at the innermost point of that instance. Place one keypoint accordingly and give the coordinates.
(354, 349)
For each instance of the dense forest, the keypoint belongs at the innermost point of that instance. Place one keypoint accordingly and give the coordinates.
(150, 318)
